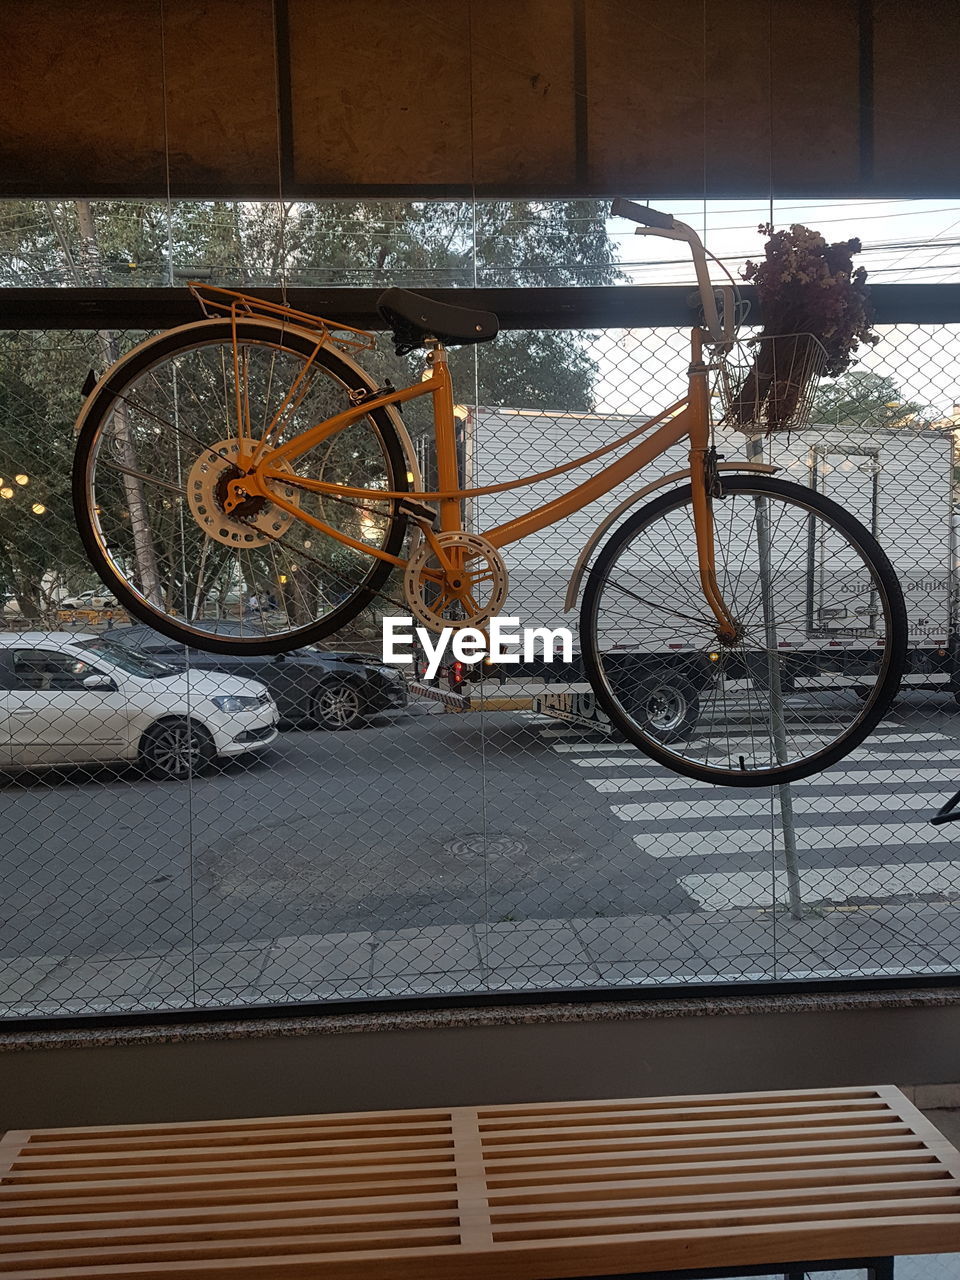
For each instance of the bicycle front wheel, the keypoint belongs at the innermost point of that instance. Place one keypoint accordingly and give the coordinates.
(822, 633)
(156, 453)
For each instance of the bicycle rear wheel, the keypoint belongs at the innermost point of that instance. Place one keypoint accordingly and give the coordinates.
(822, 642)
(154, 457)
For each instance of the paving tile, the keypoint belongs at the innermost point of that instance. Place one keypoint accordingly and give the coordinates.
(302, 992)
(541, 977)
(521, 944)
(20, 976)
(431, 950)
(445, 983)
(319, 957)
(656, 975)
(230, 968)
(632, 938)
(943, 1109)
(98, 978)
(246, 944)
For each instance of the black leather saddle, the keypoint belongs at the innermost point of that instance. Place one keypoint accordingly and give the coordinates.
(412, 317)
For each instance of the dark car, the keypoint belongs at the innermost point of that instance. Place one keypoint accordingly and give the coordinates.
(334, 691)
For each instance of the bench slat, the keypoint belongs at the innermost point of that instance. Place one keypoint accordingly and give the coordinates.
(521, 1192)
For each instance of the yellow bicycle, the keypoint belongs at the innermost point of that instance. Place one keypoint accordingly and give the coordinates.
(248, 456)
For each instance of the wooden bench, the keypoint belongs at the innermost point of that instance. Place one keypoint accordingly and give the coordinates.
(787, 1182)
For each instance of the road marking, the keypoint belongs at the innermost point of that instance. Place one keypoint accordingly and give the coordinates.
(607, 757)
(624, 786)
(729, 750)
(893, 734)
(843, 811)
(642, 782)
(549, 734)
(761, 841)
(909, 735)
(902, 879)
(803, 801)
(899, 768)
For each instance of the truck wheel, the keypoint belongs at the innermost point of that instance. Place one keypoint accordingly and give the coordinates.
(668, 708)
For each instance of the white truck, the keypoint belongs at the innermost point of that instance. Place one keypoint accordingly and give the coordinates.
(898, 483)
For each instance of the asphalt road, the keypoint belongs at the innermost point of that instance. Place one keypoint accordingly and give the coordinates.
(428, 818)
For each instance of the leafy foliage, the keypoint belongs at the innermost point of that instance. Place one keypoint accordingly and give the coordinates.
(805, 285)
(815, 312)
(864, 399)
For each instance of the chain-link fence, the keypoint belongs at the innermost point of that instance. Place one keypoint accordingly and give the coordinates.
(184, 829)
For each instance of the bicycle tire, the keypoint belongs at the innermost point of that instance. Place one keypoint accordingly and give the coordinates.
(890, 664)
(151, 355)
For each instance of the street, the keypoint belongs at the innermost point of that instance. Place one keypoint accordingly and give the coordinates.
(428, 820)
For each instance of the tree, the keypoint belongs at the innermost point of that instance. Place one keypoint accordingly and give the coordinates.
(863, 400)
(345, 243)
(35, 515)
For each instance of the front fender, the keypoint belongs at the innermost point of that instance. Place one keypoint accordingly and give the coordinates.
(675, 477)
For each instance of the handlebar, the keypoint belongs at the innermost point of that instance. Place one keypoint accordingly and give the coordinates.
(642, 213)
(655, 223)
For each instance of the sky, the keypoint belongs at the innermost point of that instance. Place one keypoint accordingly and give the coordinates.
(904, 241)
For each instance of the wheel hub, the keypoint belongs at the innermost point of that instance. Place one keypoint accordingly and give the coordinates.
(254, 520)
(730, 642)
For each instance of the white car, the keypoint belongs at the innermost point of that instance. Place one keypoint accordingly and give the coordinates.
(89, 600)
(63, 703)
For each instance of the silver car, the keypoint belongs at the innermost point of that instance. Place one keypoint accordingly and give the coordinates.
(62, 703)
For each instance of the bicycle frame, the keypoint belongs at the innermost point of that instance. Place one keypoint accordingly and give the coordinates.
(688, 418)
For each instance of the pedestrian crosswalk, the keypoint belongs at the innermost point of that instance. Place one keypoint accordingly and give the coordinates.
(868, 884)
(861, 830)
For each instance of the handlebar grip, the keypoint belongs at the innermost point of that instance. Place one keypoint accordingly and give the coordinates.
(641, 213)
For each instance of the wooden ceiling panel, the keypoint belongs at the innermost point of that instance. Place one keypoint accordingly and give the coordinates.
(81, 111)
(645, 98)
(560, 97)
(916, 133)
(815, 97)
(737, 77)
(686, 99)
(524, 86)
(221, 94)
(380, 92)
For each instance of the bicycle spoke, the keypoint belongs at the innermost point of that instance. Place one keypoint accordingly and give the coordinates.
(142, 475)
(618, 586)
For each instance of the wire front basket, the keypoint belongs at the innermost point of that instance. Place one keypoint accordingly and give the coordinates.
(768, 384)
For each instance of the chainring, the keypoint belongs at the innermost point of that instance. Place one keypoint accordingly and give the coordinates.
(467, 592)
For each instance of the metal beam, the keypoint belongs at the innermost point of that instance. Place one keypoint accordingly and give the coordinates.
(602, 307)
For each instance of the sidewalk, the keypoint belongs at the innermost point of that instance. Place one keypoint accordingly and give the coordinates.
(507, 955)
